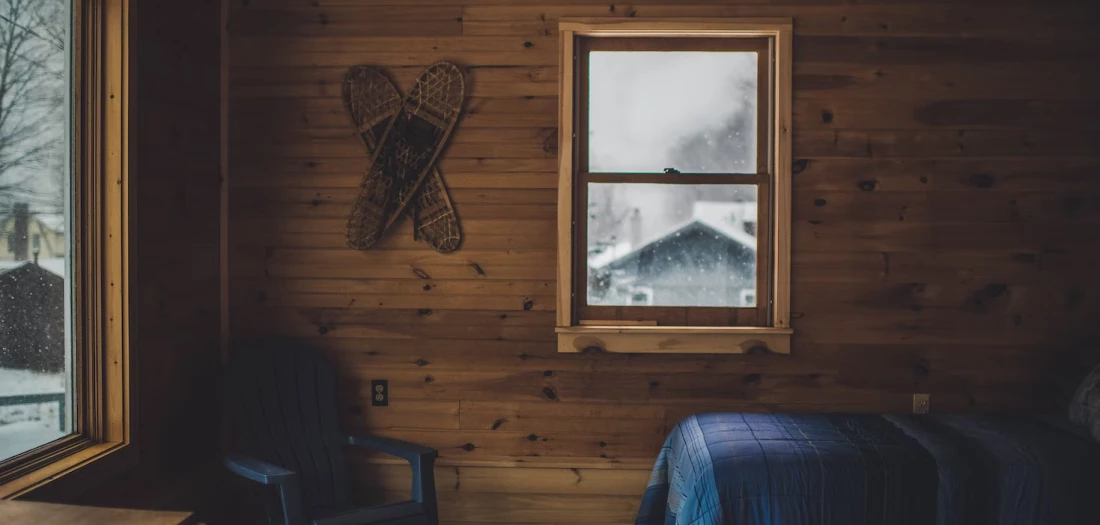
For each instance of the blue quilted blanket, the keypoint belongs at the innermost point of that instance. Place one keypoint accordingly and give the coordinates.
(827, 469)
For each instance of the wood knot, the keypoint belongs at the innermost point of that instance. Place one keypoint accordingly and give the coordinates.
(424, 312)
(799, 166)
(532, 437)
(528, 44)
(820, 202)
(983, 180)
(867, 185)
(548, 373)
(995, 290)
(752, 379)
(827, 117)
(421, 362)
(528, 304)
(549, 393)
(468, 447)
(428, 379)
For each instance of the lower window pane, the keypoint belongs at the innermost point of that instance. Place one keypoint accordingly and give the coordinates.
(35, 363)
(672, 245)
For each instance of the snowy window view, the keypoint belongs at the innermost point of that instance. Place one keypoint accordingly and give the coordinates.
(35, 364)
(694, 112)
(673, 113)
(671, 245)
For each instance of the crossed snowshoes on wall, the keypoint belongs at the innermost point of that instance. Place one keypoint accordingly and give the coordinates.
(404, 136)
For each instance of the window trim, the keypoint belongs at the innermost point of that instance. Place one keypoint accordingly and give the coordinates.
(630, 337)
(101, 443)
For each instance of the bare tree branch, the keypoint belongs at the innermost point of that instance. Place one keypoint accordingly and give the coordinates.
(33, 36)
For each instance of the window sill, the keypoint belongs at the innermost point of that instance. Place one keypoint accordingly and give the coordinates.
(674, 339)
(73, 473)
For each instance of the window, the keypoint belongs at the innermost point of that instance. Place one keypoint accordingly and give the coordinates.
(35, 367)
(63, 185)
(675, 182)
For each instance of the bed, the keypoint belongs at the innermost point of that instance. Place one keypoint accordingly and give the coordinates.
(845, 469)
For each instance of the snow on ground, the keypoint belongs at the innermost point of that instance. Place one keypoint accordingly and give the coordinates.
(23, 427)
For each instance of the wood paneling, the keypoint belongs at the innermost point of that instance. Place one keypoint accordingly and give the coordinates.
(945, 209)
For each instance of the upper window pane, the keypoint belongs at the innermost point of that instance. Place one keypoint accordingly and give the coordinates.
(35, 358)
(692, 111)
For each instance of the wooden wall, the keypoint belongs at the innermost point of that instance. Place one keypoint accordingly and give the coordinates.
(946, 204)
(175, 264)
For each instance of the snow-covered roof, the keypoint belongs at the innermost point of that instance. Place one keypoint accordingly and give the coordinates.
(54, 265)
(724, 218)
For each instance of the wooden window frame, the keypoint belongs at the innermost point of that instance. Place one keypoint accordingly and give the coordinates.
(712, 330)
(101, 442)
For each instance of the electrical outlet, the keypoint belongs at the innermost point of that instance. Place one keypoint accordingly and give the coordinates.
(380, 393)
(920, 403)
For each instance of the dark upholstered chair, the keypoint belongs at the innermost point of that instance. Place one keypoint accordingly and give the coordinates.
(282, 401)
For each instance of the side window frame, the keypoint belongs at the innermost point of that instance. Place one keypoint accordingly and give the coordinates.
(101, 443)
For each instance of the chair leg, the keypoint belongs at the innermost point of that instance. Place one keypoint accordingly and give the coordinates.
(423, 488)
(291, 497)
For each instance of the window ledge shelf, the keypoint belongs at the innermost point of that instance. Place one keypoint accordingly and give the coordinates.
(674, 339)
(73, 473)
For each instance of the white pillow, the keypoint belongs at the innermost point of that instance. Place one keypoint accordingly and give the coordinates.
(1085, 407)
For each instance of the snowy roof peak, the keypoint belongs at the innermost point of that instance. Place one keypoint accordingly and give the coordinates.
(725, 218)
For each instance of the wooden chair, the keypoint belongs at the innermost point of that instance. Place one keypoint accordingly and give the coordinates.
(282, 401)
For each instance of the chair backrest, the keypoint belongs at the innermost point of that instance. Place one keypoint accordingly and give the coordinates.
(283, 406)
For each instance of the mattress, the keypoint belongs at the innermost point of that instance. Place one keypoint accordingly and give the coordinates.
(852, 469)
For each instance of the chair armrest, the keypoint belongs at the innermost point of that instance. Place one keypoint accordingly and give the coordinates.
(422, 461)
(256, 470)
(394, 447)
(263, 472)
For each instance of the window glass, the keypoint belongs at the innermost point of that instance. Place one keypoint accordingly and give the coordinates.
(672, 244)
(691, 111)
(35, 349)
